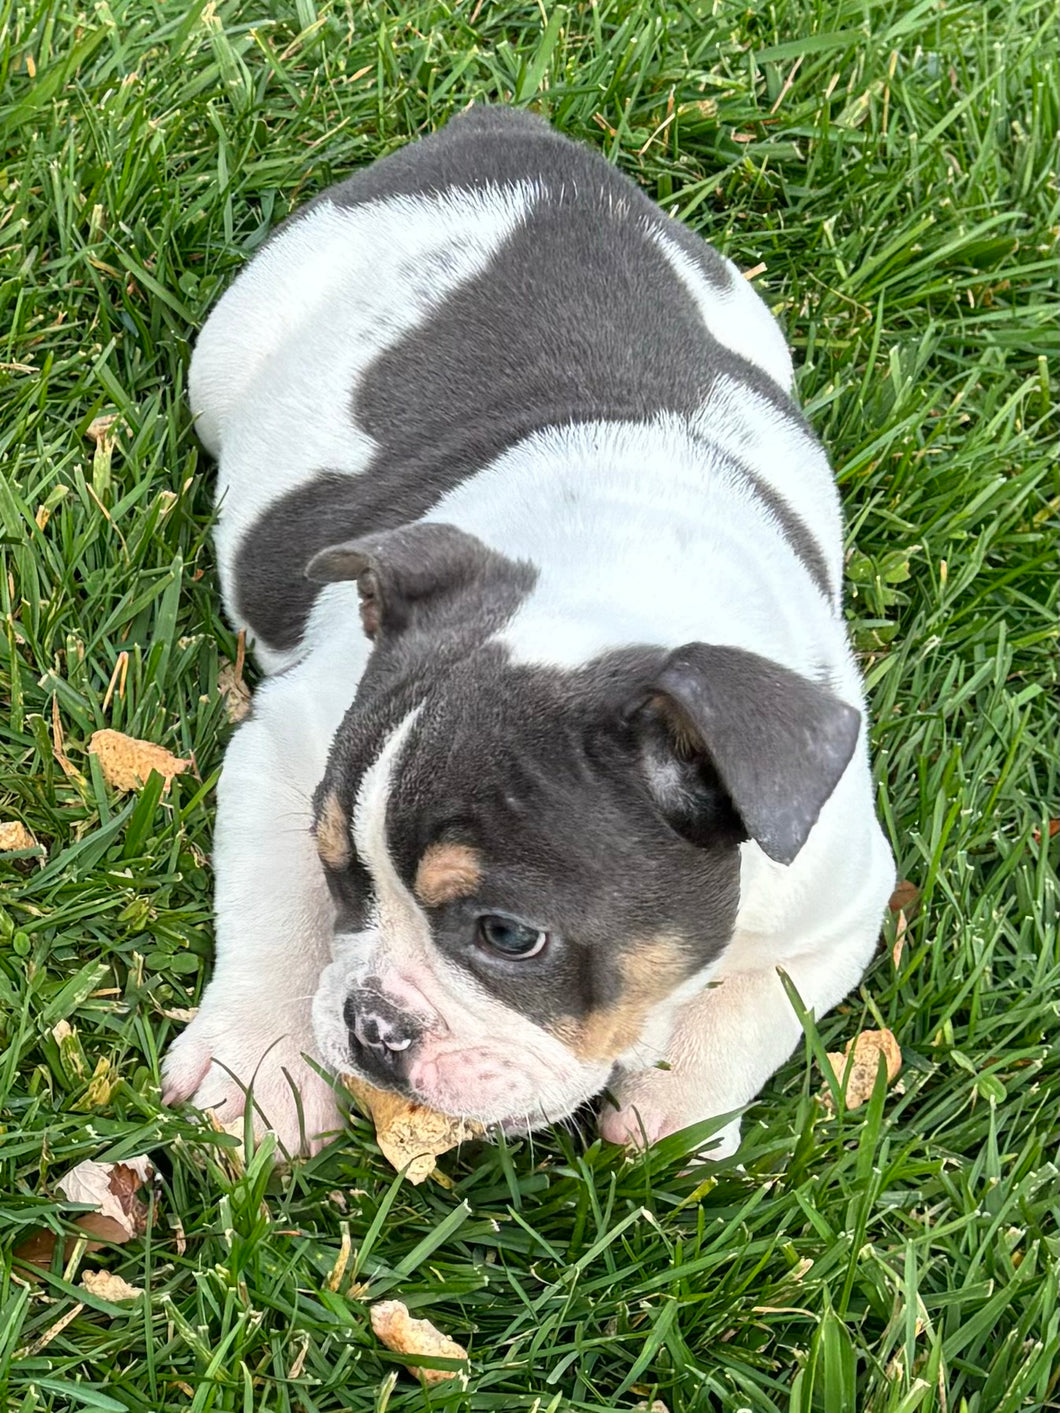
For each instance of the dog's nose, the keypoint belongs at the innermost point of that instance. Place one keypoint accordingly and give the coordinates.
(380, 1035)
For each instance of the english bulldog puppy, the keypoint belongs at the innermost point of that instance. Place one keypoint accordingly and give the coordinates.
(561, 749)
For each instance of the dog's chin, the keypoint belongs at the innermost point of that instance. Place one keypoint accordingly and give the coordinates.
(475, 1084)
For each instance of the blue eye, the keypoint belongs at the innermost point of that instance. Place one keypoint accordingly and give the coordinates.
(510, 938)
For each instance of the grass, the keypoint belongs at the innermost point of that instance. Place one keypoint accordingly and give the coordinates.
(892, 165)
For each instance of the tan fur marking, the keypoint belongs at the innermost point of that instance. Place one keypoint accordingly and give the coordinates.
(447, 871)
(332, 833)
(683, 734)
(649, 974)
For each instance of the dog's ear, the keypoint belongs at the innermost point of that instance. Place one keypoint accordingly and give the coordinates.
(732, 739)
(408, 573)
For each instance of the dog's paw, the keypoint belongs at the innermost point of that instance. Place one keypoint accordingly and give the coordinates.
(647, 1112)
(214, 1065)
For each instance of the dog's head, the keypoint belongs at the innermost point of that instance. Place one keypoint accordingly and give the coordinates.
(531, 867)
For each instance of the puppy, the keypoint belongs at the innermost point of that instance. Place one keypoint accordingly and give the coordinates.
(561, 750)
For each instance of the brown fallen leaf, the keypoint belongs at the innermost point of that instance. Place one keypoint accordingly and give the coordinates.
(112, 1189)
(15, 835)
(410, 1135)
(109, 1286)
(235, 692)
(395, 1327)
(126, 762)
(861, 1078)
(903, 898)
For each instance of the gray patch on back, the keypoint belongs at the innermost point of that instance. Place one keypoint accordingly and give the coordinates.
(578, 317)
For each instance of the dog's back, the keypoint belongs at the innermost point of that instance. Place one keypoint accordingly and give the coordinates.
(440, 307)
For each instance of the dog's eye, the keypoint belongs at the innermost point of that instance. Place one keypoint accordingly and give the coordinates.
(510, 938)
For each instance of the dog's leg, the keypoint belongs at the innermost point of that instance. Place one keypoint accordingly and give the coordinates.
(727, 1042)
(274, 923)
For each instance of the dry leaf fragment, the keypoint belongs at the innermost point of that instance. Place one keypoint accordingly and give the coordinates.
(102, 428)
(395, 1327)
(59, 747)
(903, 898)
(179, 1013)
(15, 835)
(861, 1078)
(109, 1286)
(126, 762)
(901, 927)
(235, 692)
(410, 1134)
(656, 1406)
(112, 1190)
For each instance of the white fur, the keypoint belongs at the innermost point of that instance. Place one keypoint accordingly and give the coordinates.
(735, 316)
(641, 533)
(274, 916)
(275, 364)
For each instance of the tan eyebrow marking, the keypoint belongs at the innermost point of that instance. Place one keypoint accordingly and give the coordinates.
(447, 871)
(649, 974)
(332, 833)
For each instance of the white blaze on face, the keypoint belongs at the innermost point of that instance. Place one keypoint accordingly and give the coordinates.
(399, 919)
(478, 1057)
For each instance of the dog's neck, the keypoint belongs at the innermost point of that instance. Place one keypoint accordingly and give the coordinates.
(640, 533)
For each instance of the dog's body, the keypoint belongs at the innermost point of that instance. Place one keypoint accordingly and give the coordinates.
(606, 750)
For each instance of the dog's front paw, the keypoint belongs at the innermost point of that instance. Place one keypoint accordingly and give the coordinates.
(217, 1060)
(650, 1108)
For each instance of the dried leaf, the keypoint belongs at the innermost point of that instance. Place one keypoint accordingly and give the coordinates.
(656, 1406)
(899, 939)
(126, 762)
(109, 1286)
(43, 1340)
(120, 1214)
(179, 1013)
(398, 1331)
(113, 1190)
(410, 1134)
(235, 692)
(102, 428)
(59, 747)
(861, 1078)
(15, 835)
(904, 896)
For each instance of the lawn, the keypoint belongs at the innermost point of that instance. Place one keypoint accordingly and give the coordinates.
(889, 170)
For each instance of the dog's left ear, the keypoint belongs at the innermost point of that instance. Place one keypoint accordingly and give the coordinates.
(777, 742)
(406, 574)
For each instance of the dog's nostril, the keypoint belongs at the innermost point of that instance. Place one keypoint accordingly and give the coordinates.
(377, 1033)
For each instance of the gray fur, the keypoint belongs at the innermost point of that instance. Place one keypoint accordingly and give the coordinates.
(578, 317)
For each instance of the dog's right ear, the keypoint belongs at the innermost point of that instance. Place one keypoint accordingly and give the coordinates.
(413, 573)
